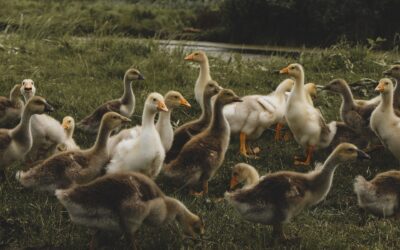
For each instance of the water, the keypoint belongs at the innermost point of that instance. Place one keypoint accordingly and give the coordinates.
(226, 51)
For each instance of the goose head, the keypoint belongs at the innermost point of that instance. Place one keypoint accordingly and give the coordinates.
(346, 152)
(38, 105)
(197, 56)
(155, 102)
(394, 71)
(113, 120)
(385, 86)
(294, 70)
(28, 88)
(68, 123)
(336, 85)
(227, 96)
(212, 88)
(243, 172)
(174, 99)
(312, 89)
(194, 226)
(133, 74)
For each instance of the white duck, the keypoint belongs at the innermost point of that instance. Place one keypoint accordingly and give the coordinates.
(383, 121)
(144, 153)
(204, 76)
(47, 132)
(256, 113)
(16, 142)
(304, 120)
(173, 99)
(11, 108)
(68, 124)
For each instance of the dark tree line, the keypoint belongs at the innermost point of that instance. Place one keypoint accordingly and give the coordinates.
(310, 22)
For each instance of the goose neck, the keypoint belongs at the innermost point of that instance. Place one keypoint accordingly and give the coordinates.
(127, 97)
(22, 131)
(148, 118)
(347, 96)
(102, 138)
(387, 102)
(218, 122)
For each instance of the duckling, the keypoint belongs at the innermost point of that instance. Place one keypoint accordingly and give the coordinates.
(280, 196)
(256, 113)
(68, 124)
(75, 166)
(354, 115)
(47, 132)
(124, 105)
(123, 202)
(201, 58)
(244, 173)
(173, 99)
(394, 72)
(185, 132)
(304, 120)
(201, 157)
(384, 122)
(379, 196)
(16, 142)
(145, 152)
(11, 108)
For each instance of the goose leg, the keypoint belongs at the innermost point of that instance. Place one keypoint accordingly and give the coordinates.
(277, 232)
(310, 151)
(243, 147)
(203, 192)
(278, 129)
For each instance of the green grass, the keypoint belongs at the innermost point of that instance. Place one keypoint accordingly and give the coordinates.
(76, 75)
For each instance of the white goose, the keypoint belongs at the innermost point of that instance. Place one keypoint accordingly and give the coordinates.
(173, 99)
(204, 75)
(304, 120)
(47, 132)
(383, 121)
(145, 152)
(256, 113)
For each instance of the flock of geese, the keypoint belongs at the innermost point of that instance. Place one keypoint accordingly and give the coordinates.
(110, 186)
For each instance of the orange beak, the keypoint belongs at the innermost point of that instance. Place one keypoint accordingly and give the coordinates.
(161, 106)
(234, 182)
(189, 57)
(284, 71)
(184, 102)
(381, 87)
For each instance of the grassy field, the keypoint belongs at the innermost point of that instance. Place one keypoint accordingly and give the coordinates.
(76, 75)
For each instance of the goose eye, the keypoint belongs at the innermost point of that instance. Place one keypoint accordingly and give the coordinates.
(386, 83)
(196, 54)
(176, 97)
(154, 99)
(292, 68)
